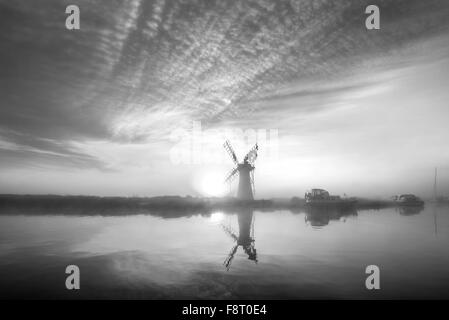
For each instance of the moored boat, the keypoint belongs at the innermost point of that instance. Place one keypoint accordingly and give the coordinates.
(408, 200)
(320, 197)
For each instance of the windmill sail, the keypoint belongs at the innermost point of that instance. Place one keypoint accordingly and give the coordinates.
(251, 156)
(230, 151)
(231, 175)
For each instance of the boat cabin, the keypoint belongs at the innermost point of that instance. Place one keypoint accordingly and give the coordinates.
(319, 194)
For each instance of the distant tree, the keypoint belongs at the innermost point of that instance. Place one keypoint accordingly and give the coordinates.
(295, 201)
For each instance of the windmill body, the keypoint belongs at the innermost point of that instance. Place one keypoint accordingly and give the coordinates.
(245, 171)
(245, 190)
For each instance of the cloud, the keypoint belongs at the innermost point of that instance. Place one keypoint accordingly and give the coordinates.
(137, 70)
(18, 150)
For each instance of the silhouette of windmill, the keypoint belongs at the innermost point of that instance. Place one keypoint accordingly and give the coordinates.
(245, 237)
(245, 170)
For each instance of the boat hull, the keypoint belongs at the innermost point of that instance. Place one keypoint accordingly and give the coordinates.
(331, 203)
(411, 204)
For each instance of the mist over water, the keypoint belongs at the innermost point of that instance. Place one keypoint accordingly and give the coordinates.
(318, 254)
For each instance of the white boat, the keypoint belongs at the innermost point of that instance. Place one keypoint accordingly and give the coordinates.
(321, 197)
(408, 200)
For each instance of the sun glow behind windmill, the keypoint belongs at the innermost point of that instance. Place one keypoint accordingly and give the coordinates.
(245, 171)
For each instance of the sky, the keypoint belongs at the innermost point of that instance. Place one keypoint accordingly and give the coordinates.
(139, 101)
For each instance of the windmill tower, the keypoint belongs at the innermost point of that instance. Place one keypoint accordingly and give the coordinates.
(245, 171)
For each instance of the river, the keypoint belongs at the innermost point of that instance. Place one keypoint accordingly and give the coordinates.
(227, 255)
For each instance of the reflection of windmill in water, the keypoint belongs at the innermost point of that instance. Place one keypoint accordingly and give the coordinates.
(245, 237)
(245, 171)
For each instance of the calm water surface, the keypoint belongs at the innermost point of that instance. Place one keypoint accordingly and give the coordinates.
(294, 254)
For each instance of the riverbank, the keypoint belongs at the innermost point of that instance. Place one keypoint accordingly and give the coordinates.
(166, 205)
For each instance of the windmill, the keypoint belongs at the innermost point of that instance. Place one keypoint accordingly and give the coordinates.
(245, 170)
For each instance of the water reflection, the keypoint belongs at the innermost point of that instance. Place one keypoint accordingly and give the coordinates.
(320, 216)
(410, 210)
(152, 255)
(245, 237)
(316, 217)
(435, 220)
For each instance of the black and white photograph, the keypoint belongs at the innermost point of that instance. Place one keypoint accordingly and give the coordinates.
(224, 150)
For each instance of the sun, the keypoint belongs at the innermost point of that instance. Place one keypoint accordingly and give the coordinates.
(217, 217)
(211, 184)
